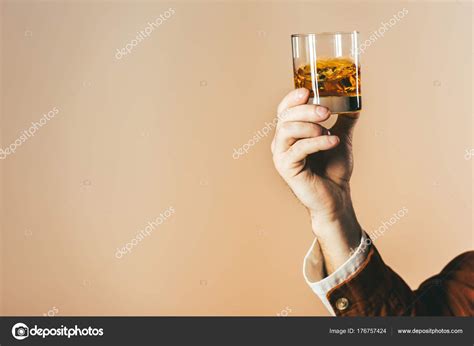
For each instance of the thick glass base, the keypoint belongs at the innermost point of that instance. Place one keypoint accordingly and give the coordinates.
(339, 104)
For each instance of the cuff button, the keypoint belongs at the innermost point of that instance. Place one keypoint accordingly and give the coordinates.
(342, 304)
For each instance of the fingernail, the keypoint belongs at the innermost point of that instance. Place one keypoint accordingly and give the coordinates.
(302, 93)
(333, 139)
(321, 110)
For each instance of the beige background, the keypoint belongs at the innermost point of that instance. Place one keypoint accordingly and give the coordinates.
(158, 128)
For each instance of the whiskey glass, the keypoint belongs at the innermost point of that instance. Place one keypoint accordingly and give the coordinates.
(327, 64)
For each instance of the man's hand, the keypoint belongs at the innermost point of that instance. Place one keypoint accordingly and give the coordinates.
(317, 165)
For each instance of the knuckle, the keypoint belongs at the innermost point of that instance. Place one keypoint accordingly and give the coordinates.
(286, 127)
(281, 107)
(294, 150)
(278, 163)
(284, 114)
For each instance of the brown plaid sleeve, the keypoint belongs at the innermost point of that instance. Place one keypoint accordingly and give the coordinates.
(376, 290)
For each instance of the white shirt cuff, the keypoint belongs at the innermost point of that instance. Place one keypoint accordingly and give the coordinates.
(325, 284)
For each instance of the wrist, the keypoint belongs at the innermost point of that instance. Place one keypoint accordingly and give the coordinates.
(326, 222)
(338, 235)
(343, 220)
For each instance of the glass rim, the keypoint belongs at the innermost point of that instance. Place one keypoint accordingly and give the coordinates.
(326, 33)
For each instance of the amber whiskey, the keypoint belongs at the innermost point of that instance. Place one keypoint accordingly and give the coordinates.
(335, 81)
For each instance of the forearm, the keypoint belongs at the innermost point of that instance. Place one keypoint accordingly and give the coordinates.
(338, 236)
